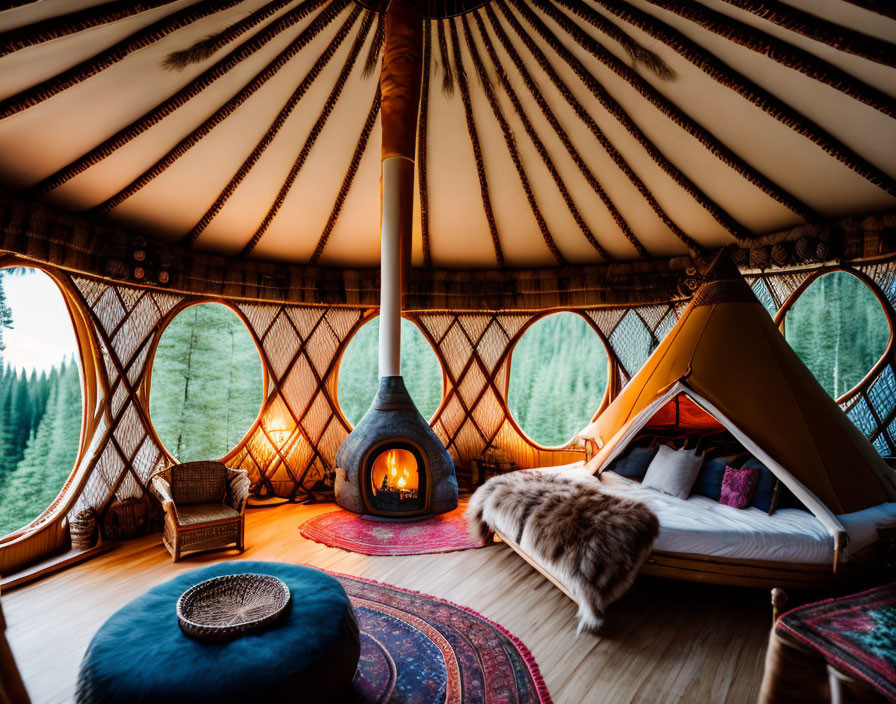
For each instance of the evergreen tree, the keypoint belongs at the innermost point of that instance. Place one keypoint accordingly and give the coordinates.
(206, 383)
(359, 376)
(839, 330)
(50, 454)
(558, 375)
(7, 447)
(6, 321)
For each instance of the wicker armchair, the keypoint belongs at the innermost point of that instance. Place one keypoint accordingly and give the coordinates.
(204, 506)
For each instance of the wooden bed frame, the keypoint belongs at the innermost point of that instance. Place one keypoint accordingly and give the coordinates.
(760, 574)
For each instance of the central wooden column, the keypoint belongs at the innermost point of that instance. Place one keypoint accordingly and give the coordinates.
(400, 88)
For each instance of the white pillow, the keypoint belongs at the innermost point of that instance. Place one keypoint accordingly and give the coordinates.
(673, 471)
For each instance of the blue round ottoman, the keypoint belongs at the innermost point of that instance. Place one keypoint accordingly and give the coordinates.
(141, 655)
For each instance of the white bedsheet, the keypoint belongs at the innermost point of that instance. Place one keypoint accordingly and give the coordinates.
(703, 526)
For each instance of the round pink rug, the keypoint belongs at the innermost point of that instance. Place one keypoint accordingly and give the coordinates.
(374, 536)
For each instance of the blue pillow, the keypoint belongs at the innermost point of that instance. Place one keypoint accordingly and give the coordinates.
(765, 487)
(787, 499)
(633, 463)
(709, 481)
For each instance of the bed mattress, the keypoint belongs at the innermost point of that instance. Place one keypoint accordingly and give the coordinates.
(702, 526)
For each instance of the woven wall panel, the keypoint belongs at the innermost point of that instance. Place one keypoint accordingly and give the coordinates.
(293, 444)
(124, 452)
(633, 341)
(291, 447)
(475, 349)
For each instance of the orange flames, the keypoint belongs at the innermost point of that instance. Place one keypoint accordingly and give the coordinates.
(394, 470)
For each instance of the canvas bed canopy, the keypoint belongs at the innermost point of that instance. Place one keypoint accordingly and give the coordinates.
(565, 156)
(727, 356)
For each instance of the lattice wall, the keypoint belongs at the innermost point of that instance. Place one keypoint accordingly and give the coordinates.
(872, 404)
(475, 351)
(290, 449)
(124, 450)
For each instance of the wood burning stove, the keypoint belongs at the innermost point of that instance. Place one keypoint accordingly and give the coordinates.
(392, 463)
(392, 432)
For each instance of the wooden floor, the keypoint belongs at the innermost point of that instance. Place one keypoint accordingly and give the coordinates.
(664, 641)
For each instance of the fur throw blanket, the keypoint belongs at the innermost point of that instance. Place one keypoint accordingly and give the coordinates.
(592, 543)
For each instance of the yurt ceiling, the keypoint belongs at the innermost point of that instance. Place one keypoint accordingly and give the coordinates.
(550, 132)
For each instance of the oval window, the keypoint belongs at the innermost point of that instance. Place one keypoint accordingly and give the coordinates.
(558, 375)
(359, 371)
(839, 330)
(40, 395)
(207, 383)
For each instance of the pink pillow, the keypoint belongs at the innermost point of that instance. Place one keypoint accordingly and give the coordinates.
(738, 486)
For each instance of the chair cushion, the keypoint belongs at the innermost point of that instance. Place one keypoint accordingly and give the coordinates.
(198, 483)
(196, 514)
(673, 471)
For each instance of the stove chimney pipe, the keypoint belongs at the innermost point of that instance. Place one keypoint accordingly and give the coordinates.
(400, 89)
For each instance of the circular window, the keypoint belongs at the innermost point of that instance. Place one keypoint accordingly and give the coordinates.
(40, 395)
(558, 375)
(839, 330)
(206, 383)
(359, 371)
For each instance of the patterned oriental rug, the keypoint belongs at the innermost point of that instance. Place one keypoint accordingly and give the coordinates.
(371, 535)
(416, 648)
(855, 634)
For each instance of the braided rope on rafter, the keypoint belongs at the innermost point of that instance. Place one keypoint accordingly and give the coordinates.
(286, 111)
(660, 102)
(349, 177)
(422, 137)
(820, 30)
(477, 151)
(191, 90)
(208, 47)
(561, 133)
(509, 139)
(376, 45)
(72, 23)
(733, 80)
(90, 67)
(447, 74)
(717, 212)
(231, 105)
(310, 141)
(530, 130)
(781, 52)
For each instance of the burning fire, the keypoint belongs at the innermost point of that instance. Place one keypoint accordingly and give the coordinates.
(394, 471)
(392, 463)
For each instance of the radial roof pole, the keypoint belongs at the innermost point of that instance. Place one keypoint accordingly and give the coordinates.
(400, 88)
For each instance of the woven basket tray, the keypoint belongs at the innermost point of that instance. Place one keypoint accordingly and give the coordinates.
(231, 606)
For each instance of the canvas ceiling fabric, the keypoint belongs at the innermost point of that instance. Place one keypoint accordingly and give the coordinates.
(729, 352)
(550, 133)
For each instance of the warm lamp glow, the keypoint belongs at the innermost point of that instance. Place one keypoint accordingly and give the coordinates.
(394, 470)
(279, 437)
